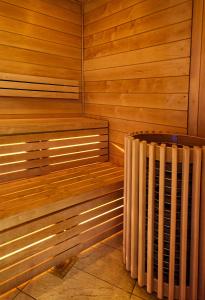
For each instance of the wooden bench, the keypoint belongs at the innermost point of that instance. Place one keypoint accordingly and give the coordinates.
(59, 195)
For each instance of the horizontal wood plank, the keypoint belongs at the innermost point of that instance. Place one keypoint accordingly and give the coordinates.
(131, 13)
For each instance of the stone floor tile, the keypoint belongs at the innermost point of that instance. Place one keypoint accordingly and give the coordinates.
(106, 263)
(133, 297)
(141, 292)
(114, 241)
(42, 284)
(78, 285)
(22, 296)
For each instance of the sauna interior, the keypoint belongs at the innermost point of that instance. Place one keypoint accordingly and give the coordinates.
(102, 149)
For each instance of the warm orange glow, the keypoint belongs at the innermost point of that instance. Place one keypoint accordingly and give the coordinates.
(11, 144)
(12, 163)
(26, 247)
(118, 147)
(12, 153)
(105, 213)
(74, 137)
(79, 159)
(26, 235)
(86, 211)
(66, 154)
(11, 172)
(98, 225)
(75, 145)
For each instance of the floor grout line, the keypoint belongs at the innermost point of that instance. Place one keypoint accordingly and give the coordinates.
(134, 286)
(111, 246)
(115, 286)
(16, 294)
(21, 292)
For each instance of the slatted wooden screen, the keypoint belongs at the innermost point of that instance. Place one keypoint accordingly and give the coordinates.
(46, 219)
(162, 213)
(15, 85)
(34, 154)
(37, 245)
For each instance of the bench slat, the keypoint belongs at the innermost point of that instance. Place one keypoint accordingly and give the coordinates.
(44, 136)
(39, 125)
(59, 195)
(51, 204)
(16, 264)
(46, 187)
(39, 268)
(39, 223)
(14, 85)
(19, 185)
(58, 226)
(28, 155)
(45, 153)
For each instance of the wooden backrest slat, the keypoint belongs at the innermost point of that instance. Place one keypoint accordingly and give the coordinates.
(48, 152)
(18, 138)
(32, 154)
(15, 85)
(35, 146)
(38, 86)
(30, 78)
(37, 94)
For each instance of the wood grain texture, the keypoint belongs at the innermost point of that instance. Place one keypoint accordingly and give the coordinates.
(184, 221)
(43, 39)
(15, 85)
(202, 233)
(142, 213)
(201, 106)
(196, 52)
(154, 21)
(134, 208)
(136, 65)
(136, 11)
(81, 225)
(150, 222)
(160, 285)
(172, 245)
(195, 214)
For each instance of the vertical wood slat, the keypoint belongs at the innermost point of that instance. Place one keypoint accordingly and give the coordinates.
(160, 290)
(129, 199)
(142, 213)
(150, 227)
(196, 61)
(176, 156)
(125, 201)
(135, 208)
(184, 222)
(202, 233)
(173, 223)
(196, 184)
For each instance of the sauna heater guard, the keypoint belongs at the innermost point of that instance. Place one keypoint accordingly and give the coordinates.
(163, 194)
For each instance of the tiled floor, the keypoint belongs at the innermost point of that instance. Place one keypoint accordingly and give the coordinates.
(98, 274)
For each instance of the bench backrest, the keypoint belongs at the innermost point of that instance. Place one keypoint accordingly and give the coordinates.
(27, 155)
(15, 85)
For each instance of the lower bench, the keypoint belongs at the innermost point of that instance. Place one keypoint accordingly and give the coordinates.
(45, 219)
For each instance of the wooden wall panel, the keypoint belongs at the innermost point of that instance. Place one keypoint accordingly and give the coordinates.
(197, 89)
(41, 38)
(196, 124)
(137, 65)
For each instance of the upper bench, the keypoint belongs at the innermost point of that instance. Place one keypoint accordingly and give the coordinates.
(59, 193)
(35, 147)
